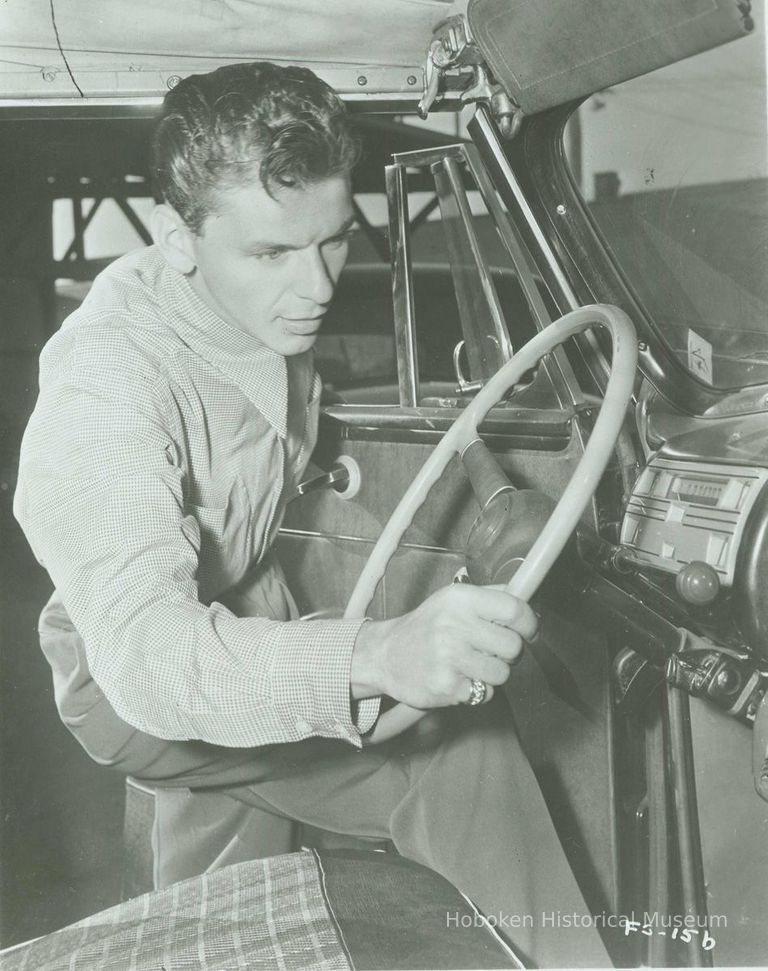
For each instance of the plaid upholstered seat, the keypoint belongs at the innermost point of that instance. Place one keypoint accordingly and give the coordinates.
(336, 910)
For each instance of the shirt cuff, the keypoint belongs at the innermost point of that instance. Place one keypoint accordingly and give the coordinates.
(367, 714)
(311, 681)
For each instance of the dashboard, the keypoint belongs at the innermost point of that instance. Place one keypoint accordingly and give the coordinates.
(694, 549)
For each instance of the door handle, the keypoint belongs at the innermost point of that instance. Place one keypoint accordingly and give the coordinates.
(343, 477)
(465, 387)
(337, 478)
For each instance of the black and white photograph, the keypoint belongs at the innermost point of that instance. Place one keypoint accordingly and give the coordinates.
(383, 484)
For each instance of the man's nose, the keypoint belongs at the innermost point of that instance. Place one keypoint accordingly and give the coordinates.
(315, 282)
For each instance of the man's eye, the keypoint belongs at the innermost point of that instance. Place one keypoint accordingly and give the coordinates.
(270, 255)
(344, 238)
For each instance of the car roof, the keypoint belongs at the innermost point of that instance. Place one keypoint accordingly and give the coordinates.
(543, 52)
(130, 48)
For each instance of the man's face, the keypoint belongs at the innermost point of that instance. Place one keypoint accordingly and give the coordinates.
(269, 266)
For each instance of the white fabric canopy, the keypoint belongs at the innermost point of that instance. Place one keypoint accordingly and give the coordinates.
(544, 52)
(129, 48)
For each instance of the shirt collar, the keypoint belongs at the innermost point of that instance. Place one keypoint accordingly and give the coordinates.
(259, 372)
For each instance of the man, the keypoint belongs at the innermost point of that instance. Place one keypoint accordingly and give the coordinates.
(178, 409)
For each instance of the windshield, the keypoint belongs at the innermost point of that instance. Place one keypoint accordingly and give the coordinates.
(673, 168)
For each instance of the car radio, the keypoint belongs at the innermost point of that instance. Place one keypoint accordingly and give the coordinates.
(692, 511)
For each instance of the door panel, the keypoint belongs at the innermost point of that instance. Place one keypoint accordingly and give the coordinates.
(388, 468)
(416, 573)
(322, 571)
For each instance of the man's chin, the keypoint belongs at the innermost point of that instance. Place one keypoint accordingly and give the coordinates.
(297, 343)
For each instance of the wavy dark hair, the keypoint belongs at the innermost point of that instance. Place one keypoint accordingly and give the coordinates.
(247, 122)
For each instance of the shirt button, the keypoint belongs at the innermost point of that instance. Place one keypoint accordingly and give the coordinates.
(303, 726)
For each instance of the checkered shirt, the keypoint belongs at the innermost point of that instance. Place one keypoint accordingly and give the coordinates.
(153, 478)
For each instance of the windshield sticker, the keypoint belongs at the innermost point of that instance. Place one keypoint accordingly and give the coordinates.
(700, 357)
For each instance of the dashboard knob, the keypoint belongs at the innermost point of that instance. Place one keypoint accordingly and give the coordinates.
(697, 583)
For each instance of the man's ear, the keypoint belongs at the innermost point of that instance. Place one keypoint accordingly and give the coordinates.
(173, 238)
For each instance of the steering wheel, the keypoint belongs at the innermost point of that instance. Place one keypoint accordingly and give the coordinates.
(574, 499)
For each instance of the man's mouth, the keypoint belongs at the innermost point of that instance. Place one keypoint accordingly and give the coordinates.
(303, 326)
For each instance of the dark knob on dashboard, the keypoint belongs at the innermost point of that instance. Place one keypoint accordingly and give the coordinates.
(697, 583)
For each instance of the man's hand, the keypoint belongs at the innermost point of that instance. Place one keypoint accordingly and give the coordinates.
(429, 657)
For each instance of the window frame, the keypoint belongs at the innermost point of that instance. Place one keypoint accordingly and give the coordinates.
(448, 159)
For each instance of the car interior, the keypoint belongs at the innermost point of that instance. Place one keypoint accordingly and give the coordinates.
(545, 366)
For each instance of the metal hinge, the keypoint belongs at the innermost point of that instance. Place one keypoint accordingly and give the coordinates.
(453, 50)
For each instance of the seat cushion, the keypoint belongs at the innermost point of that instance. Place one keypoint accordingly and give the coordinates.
(337, 910)
(393, 913)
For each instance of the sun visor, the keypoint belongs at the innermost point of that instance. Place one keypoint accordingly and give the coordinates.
(548, 52)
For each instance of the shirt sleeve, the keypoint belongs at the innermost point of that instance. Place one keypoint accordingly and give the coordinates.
(100, 499)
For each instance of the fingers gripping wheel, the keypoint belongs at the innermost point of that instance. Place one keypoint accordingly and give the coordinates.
(574, 499)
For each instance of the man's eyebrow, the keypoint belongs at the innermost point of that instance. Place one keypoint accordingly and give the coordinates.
(258, 244)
